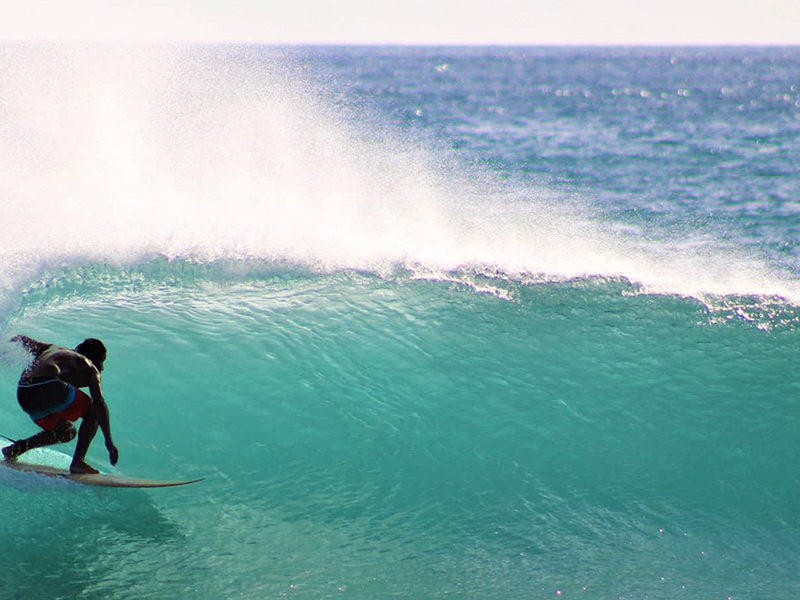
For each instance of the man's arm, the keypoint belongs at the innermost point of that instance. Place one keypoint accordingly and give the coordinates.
(33, 346)
(103, 416)
(80, 372)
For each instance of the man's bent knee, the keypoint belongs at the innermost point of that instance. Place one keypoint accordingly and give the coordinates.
(65, 431)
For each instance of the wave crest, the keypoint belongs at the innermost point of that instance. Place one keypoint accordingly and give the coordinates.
(114, 154)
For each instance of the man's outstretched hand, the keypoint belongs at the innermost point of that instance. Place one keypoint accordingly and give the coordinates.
(113, 454)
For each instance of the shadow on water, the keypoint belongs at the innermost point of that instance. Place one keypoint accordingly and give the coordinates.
(65, 541)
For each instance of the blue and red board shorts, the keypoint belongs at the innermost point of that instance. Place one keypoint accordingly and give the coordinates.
(48, 402)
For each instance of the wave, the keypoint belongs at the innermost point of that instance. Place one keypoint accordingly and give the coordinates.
(408, 376)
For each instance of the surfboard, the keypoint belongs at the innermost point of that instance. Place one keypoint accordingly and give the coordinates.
(43, 461)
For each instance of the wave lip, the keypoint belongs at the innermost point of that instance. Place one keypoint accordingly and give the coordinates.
(113, 154)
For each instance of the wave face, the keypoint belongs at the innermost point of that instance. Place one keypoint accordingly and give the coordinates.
(471, 322)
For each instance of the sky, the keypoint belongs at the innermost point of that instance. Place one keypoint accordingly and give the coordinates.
(506, 22)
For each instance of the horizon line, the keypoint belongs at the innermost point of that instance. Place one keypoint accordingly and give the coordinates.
(401, 44)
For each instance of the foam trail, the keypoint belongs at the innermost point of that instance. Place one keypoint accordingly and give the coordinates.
(111, 153)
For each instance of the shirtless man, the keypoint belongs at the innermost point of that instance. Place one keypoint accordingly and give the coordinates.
(48, 392)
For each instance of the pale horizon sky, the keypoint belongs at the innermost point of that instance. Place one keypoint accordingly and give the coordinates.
(503, 22)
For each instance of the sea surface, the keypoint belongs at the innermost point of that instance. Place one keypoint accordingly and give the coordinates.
(480, 323)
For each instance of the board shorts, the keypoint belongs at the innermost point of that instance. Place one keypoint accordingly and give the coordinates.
(47, 402)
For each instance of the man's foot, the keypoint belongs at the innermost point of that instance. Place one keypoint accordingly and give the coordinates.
(10, 453)
(80, 467)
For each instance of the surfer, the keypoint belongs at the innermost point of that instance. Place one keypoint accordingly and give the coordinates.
(48, 392)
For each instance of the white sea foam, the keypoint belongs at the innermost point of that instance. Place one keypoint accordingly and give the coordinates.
(114, 153)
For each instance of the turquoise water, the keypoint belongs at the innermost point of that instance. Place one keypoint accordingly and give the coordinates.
(414, 355)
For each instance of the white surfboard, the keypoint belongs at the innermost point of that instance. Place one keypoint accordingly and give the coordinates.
(43, 461)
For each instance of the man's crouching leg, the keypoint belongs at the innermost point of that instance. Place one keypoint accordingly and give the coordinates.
(85, 436)
(64, 431)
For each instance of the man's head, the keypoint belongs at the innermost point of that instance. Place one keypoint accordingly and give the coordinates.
(94, 350)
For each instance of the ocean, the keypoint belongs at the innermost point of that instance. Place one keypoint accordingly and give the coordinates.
(481, 323)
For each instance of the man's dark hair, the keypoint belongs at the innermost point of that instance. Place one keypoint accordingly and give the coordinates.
(93, 349)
